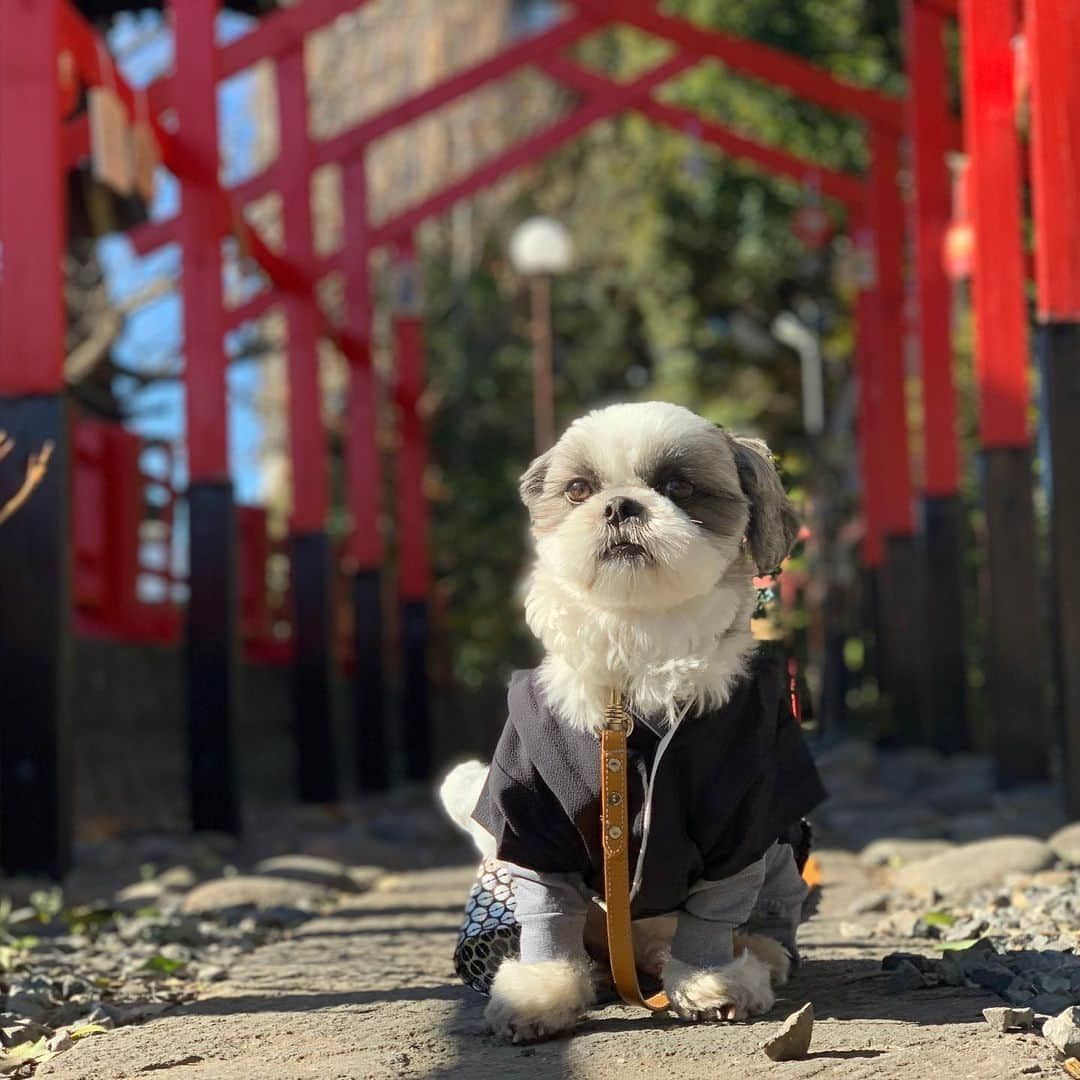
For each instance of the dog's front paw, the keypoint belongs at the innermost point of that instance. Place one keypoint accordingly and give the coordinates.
(733, 992)
(537, 1001)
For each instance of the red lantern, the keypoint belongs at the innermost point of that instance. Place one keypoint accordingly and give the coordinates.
(958, 249)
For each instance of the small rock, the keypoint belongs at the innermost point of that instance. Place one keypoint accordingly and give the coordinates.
(101, 1016)
(971, 866)
(177, 878)
(26, 1003)
(792, 1041)
(992, 977)
(60, 1042)
(1055, 982)
(906, 976)
(1063, 1031)
(950, 972)
(227, 895)
(966, 928)
(70, 986)
(1005, 1019)
(903, 924)
(1052, 1004)
(136, 1013)
(1066, 843)
(895, 961)
(15, 1030)
(364, 878)
(143, 894)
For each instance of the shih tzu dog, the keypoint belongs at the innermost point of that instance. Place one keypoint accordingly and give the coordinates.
(649, 525)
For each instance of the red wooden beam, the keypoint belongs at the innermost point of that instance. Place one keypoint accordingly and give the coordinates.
(760, 61)
(275, 35)
(1001, 331)
(887, 215)
(32, 235)
(868, 409)
(843, 187)
(1054, 45)
(307, 437)
(199, 232)
(945, 8)
(929, 122)
(362, 469)
(524, 153)
(354, 141)
(250, 309)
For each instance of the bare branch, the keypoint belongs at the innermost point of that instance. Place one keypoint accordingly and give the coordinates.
(37, 466)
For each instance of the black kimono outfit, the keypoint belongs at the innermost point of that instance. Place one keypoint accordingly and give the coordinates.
(724, 787)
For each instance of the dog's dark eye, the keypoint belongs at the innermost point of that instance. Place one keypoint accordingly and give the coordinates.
(678, 488)
(577, 491)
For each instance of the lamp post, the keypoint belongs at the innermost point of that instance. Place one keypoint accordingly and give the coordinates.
(540, 247)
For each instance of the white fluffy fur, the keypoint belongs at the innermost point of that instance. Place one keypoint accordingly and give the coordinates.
(771, 953)
(672, 634)
(536, 1001)
(691, 653)
(458, 794)
(735, 991)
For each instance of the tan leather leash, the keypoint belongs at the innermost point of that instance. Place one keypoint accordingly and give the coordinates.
(615, 822)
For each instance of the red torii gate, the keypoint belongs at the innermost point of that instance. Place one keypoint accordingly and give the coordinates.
(875, 208)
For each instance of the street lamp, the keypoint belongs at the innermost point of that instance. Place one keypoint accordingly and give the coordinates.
(540, 247)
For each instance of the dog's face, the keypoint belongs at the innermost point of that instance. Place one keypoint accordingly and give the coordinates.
(648, 505)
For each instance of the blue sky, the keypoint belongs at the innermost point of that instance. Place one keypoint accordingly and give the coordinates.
(151, 338)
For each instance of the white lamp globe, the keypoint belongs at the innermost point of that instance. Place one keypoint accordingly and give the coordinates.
(541, 245)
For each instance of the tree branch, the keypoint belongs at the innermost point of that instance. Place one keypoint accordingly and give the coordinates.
(37, 466)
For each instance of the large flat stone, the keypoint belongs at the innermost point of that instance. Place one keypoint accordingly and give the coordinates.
(901, 850)
(972, 866)
(1066, 843)
(250, 891)
(310, 868)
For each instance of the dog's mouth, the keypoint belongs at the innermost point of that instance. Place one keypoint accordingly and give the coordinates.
(625, 551)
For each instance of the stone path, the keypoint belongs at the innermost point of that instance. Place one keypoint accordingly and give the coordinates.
(366, 990)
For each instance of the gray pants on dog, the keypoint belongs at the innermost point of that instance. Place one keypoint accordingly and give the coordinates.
(765, 898)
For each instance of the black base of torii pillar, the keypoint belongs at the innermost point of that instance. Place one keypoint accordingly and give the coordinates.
(1058, 350)
(372, 769)
(312, 704)
(942, 537)
(35, 594)
(211, 660)
(1014, 658)
(902, 585)
(415, 692)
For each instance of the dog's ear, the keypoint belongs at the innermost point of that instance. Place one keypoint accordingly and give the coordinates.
(773, 524)
(531, 485)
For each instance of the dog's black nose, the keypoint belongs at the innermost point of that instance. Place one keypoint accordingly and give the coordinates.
(622, 509)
